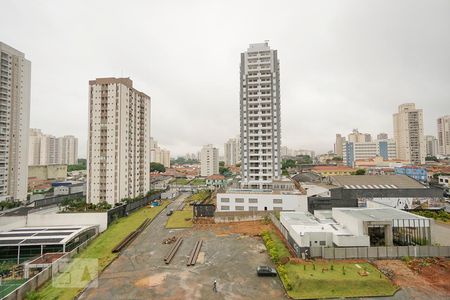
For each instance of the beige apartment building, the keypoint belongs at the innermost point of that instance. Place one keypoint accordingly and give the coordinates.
(232, 151)
(118, 160)
(443, 127)
(408, 134)
(45, 149)
(15, 82)
(159, 155)
(209, 161)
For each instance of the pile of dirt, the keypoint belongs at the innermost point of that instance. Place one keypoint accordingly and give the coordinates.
(431, 275)
(251, 228)
(169, 240)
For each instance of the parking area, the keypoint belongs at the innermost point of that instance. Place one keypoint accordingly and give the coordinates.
(231, 259)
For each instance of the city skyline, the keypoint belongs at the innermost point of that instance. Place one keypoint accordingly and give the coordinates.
(399, 58)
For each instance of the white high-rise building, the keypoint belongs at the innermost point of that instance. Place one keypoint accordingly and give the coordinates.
(67, 150)
(443, 127)
(15, 80)
(431, 145)
(232, 152)
(159, 155)
(408, 134)
(48, 150)
(260, 116)
(118, 160)
(209, 161)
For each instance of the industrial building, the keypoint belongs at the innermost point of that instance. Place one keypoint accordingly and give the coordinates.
(21, 244)
(355, 191)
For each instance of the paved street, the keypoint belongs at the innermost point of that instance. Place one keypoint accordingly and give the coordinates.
(140, 272)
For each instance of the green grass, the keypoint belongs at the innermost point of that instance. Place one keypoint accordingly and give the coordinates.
(199, 196)
(181, 181)
(307, 283)
(198, 181)
(177, 219)
(8, 286)
(101, 249)
(275, 246)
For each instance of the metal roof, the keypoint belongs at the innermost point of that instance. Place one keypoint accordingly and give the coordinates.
(376, 182)
(41, 235)
(377, 214)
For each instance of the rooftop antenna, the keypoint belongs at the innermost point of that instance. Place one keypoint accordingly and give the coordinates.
(266, 41)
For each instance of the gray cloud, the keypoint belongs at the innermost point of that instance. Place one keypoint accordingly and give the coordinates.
(344, 64)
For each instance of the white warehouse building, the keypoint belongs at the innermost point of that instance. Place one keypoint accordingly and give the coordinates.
(354, 227)
(268, 200)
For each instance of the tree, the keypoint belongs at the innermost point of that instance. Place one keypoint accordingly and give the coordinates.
(157, 167)
(337, 158)
(431, 158)
(224, 171)
(288, 163)
(221, 163)
(360, 172)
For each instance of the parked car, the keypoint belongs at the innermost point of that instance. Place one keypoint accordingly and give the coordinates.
(170, 212)
(266, 271)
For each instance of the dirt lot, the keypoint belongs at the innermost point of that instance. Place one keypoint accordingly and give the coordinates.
(230, 255)
(420, 278)
(250, 228)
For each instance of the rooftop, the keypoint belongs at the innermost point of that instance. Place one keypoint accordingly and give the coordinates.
(41, 235)
(376, 182)
(377, 214)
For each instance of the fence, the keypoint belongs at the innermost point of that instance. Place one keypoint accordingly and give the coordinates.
(380, 252)
(125, 209)
(42, 277)
(386, 252)
(55, 199)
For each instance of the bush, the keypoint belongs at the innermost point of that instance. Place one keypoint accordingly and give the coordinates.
(284, 277)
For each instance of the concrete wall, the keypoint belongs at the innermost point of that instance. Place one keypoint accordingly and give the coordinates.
(380, 252)
(238, 216)
(48, 172)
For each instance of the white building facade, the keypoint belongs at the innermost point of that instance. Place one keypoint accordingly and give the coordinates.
(159, 155)
(431, 145)
(443, 128)
(365, 150)
(118, 160)
(260, 116)
(408, 134)
(209, 161)
(15, 82)
(232, 152)
(47, 149)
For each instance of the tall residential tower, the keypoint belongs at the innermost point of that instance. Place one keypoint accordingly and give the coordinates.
(15, 80)
(118, 160)
(443, 128)
(260, 116)
(408, 134)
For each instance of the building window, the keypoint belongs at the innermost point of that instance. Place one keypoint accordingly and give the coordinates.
(252, 200)
(224, 207)
(278, 201)
(239, 200)
(322, 243)
(253, 208)
(277, 208)
(239, 208)
(225, 200)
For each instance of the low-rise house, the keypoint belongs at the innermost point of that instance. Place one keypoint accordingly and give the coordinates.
(216, 180)
(326, 171)
(418, 173)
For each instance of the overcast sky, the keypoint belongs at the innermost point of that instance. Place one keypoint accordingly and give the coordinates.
(344, 64)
